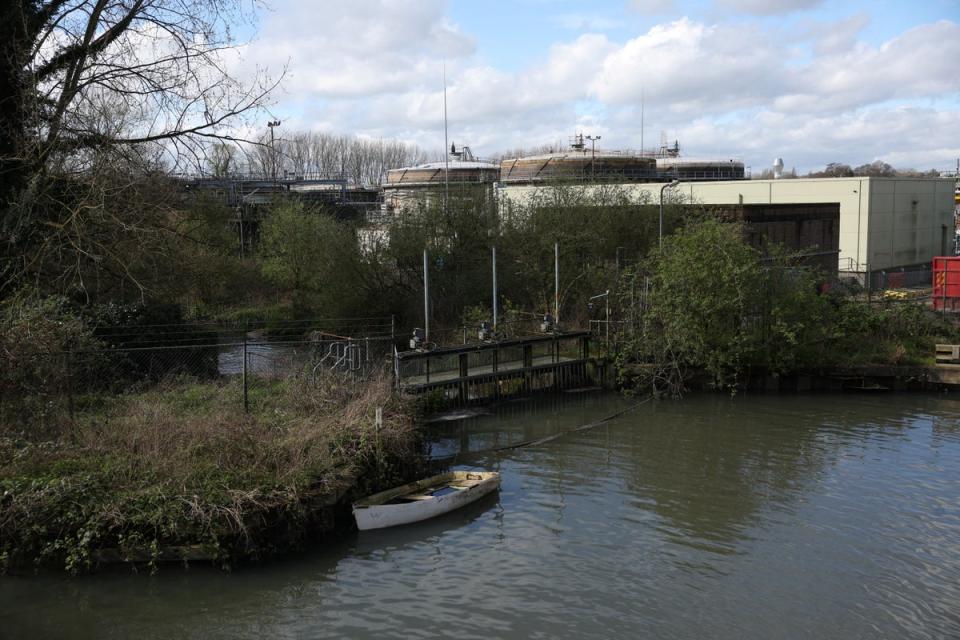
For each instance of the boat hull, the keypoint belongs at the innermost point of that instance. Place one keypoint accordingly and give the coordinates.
(370, 515)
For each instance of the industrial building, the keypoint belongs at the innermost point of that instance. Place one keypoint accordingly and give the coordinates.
(578, 165)
(409, 188)
(809, 231)
(885, 223)
(693, 169)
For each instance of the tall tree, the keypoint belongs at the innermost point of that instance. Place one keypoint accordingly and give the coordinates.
(94, 88)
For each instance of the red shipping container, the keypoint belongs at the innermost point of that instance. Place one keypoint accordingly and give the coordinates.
(946, 283)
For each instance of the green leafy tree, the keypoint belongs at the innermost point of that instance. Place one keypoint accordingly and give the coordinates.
(313, 259)
(718, 305)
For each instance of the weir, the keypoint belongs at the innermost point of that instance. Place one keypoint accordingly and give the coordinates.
(486, 371)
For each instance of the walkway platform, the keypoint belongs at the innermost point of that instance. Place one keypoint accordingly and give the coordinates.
(468, 374)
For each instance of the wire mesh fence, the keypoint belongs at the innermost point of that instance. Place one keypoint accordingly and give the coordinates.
(234, 362)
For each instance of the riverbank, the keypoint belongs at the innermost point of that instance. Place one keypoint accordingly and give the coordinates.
(712, 516)
(180, 472)
(867, 377)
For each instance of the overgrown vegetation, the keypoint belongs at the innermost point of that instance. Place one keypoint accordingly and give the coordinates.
(182, 466)
(713, 304)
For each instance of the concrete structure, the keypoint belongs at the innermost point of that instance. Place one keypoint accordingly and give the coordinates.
(885, 223)
(692, 169)
(407, 188)
(578, 165)
(808, 229)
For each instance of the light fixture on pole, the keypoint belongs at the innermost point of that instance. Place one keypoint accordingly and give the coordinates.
(593, 153)
(273, 150)
(672, 183)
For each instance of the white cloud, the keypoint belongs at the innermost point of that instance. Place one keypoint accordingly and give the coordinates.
(814, 94)
(360, 48)
(584, 22)
(917, 64)
(693, 67)
(768, 7)
(833, 37)
(653, 7)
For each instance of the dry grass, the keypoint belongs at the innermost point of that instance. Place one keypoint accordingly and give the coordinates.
(298, 427)
(183, 464)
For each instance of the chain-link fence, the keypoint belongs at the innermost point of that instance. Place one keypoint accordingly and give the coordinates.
(235, 363)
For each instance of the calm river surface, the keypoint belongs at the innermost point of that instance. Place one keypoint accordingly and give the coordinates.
(820, 516)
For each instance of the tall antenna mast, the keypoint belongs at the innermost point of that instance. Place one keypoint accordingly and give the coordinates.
(641, 120)
(446, 148)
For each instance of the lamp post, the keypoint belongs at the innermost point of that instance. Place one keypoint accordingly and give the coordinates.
(273, 151)
(593, 153)
(672, 183)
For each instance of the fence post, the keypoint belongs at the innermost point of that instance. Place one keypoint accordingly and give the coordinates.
(69, 359)
(246, 406)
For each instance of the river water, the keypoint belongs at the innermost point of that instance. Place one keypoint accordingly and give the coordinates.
(807, 516)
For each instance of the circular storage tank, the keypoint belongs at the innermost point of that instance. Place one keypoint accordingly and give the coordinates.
(686, 169)
(433, 173)
(577, 165)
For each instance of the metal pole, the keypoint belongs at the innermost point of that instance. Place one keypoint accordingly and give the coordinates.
(426, 300)
(607, 298)
(494, 289)
(69, 360)
(245, 403)
(240, 214)
(641, 120)
(593, 158)
(556, 284)
(664, 187)
(660, 233)
(859, 193)
(446, 148)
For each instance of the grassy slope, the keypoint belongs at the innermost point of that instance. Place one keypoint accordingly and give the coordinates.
(184, 465)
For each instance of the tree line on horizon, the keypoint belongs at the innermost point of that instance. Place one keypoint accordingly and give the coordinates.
(875, 169)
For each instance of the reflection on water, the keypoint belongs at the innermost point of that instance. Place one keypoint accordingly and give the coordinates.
(264, 358)
(760, 517)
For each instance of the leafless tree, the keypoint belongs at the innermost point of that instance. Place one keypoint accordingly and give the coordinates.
(222, 159)
(330, 156)
(93, 94)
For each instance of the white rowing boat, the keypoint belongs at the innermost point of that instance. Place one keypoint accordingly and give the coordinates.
(424, 499)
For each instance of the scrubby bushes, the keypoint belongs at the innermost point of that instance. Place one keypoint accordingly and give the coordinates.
(184, 467)
(715, 305)
(37, 337)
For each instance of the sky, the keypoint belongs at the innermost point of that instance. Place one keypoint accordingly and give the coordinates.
(810, 81)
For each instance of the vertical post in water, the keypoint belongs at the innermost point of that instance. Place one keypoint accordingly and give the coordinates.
(494, 290)
(426, 300)
(245, 405)
(556, 284)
